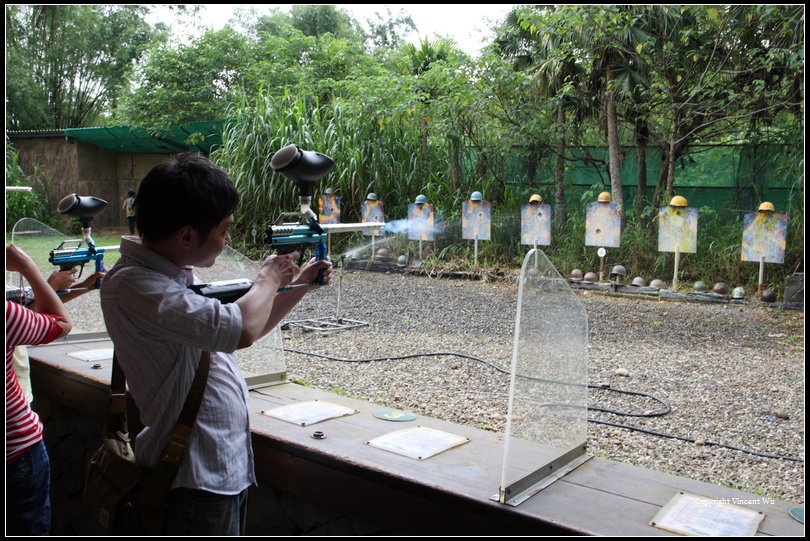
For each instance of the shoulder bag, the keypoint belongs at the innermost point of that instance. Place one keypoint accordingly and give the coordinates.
(122, 497)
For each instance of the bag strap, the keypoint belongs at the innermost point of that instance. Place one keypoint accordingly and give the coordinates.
(117, 419)
(175, 450)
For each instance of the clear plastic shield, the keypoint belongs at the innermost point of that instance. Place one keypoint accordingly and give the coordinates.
(262, 363)
(38, 241)
(546, 427)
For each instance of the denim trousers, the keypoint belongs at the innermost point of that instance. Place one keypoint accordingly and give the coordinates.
(198, 512)
(28, 503)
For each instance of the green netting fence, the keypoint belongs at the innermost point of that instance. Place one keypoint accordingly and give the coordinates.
(727, 177)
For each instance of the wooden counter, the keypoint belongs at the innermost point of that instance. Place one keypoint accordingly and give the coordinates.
(449, 493)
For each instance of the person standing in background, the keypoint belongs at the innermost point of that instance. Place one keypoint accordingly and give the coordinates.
(129, 208)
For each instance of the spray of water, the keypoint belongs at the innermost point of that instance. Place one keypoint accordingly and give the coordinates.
(391, 230)
(379, 242)
(396, 227)
(401, 226)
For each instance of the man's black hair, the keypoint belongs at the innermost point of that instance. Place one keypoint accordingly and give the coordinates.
(186, 190)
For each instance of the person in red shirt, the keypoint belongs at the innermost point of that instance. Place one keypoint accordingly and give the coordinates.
(28, 507)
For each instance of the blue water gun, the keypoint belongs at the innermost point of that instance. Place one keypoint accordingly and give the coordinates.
(304, 168)
(84, 209)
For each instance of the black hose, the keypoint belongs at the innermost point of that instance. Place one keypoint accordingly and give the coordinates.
(662, 435)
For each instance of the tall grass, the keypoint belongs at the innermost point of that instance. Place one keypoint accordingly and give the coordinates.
(377, 141)
(372, 153)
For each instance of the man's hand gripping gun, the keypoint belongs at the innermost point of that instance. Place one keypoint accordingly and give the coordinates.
(285, 239)
(296, 238)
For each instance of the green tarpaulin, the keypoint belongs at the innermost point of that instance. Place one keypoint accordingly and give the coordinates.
(196, 136)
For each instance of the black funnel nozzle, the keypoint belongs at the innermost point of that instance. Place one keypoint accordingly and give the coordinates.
(83, 208)
(304, 167)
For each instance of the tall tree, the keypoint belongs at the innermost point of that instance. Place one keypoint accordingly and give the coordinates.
(188, 82)
(719, 71)
(614, 38)
(67, 64)
(420, 60)
(387, 33)
(320, 19)
(540, 49)
(601, 38)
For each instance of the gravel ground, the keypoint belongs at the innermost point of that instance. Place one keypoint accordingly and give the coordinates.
(733, 375)
(730, 373)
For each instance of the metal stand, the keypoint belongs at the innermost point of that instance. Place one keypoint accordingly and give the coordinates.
(675, 275)
(525, 488)
(601, 252)
(328, 324)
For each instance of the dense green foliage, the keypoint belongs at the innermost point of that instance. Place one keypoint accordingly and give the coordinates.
(400, 119)
(67, 65)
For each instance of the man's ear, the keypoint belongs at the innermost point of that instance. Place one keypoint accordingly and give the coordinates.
(187, 237)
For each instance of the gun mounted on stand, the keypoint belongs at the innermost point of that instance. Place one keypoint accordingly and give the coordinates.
(304, 168)
(84, 209)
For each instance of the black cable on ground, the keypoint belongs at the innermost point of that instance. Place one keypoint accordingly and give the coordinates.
(662, 435)
(667, 407)
(399, 357)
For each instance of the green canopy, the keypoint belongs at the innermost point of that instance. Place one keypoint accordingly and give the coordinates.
(194, 136)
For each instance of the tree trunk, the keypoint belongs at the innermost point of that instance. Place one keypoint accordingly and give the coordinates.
(662, 179)
(641, 149)
(673, 151)
(673, 155)
(559, 195)
(531, 163)
(614, 152)
(454, 165)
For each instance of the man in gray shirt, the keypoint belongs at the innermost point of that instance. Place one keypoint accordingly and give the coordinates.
(160, 328)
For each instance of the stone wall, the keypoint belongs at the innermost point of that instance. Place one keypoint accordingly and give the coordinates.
(96, 176)
(71, 166)
(130, 171)
(54, 159)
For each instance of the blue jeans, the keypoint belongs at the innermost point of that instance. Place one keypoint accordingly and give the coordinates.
(28, 504)
(198, 512)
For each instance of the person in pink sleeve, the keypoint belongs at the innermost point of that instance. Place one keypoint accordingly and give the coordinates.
(28, 507)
